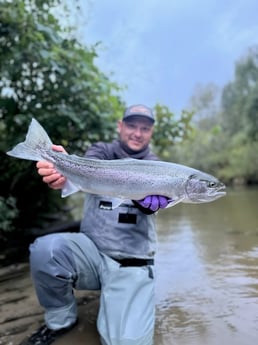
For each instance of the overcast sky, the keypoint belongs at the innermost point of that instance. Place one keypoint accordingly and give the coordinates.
(161, 49)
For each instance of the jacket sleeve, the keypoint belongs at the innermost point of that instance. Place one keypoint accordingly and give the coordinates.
(97, 151)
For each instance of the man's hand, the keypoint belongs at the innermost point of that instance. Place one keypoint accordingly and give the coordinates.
(154, 202)
(48, 172)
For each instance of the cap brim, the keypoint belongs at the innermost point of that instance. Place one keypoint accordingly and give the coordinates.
(139, 115)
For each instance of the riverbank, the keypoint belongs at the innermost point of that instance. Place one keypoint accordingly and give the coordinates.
(20, 313)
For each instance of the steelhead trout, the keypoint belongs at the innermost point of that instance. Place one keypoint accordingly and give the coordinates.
(122, 178)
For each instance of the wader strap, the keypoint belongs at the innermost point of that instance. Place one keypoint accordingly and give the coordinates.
(134, 262)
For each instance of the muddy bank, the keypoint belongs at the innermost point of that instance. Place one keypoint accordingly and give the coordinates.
(20, 313)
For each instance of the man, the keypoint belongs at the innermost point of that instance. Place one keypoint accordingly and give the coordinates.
(113, 252)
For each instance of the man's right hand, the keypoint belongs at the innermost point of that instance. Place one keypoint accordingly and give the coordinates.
(48, 172)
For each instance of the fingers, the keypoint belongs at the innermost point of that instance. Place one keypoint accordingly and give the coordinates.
(154, 203)
(47, 169)
(58, 148)
(163, 202)
(55, 181)
(44, 165)
(151, 202)
(48, 172)
(146, 202)
(50, 176)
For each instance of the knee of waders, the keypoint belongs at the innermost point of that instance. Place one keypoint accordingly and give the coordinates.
(47, 251)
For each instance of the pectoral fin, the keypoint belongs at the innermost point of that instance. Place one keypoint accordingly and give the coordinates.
(173, 202)
(116, 202)
(69, 188)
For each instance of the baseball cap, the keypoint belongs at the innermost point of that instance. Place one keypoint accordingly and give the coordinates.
(139, 110)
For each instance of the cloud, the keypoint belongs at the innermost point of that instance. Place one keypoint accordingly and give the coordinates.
(162, 49)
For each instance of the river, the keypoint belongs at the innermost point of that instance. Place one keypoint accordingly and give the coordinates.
(207, 276)
(207, 264)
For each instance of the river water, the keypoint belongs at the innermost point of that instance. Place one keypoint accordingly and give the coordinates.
(207, 270)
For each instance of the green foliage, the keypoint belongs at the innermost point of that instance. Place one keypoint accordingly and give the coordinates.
(206, 105)
(8, 213)
(202, 150)
(49, 77)
(169, 130)
(251, 121)
(240, 120)
(242, 160)
(46, 75)
(240, 98)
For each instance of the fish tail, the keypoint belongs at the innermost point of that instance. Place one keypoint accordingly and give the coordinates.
(36, 141)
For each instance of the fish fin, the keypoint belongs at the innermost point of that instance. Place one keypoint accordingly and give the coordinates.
(69, 188)
(36, 140)
(116, 202)
(173, 202)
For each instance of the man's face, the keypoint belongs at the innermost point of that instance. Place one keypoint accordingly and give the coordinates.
(135, 132)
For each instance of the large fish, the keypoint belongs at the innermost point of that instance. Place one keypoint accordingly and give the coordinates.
(122, 178)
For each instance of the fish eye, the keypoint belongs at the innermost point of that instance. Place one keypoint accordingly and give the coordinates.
(211, 184)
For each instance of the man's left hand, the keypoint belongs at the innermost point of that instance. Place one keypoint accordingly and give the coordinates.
(154, 202)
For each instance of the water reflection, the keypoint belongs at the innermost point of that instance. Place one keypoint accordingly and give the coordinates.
(207, 269)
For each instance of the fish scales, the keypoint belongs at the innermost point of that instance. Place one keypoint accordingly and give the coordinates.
(95, 175)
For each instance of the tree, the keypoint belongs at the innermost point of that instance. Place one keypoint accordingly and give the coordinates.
(206, 104)
(46, 75)
(170, 130)
(240, 98)
(240, 119)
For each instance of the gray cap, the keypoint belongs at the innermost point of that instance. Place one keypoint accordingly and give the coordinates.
(139, 110)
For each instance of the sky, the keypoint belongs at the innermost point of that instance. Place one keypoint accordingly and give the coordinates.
(161, 50)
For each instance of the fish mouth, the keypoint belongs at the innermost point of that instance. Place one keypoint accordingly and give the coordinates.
(218, 194)
(219, 191)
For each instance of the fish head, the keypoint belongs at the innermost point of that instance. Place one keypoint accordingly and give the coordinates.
(204, 188)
